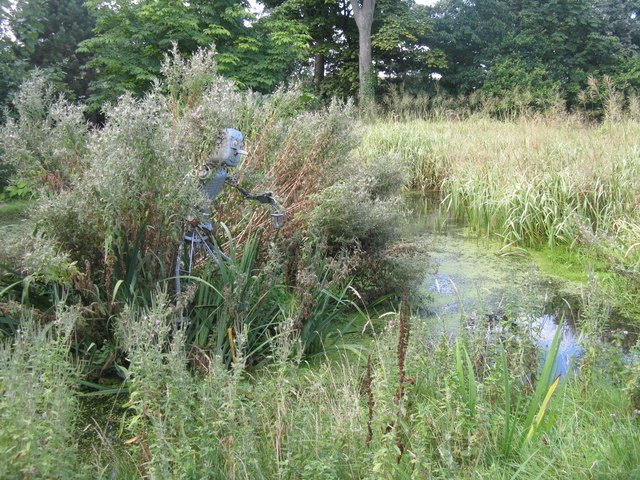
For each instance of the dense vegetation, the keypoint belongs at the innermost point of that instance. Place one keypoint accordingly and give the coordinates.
(304, 356)
(98, 50)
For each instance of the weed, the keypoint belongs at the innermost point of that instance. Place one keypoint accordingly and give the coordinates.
(38, 407)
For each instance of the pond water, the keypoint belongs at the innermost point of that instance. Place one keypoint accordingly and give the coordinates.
(472, 283)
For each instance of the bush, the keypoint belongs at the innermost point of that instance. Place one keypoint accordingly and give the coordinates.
(46, 143)
(120, 212)
(123, 215)
(186, 425)
(362, 212)
(119, 215)
(362, 216)
(126, 210)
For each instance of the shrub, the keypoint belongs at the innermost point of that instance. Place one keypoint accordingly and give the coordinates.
(362, 215)
(47, 140)
(124, 214)
(363, 210)
(120, 212)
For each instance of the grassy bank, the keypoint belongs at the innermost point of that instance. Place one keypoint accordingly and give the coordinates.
(534, 182)
(13, 211)
(417, 405)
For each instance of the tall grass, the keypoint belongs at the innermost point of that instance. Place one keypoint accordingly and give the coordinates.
(601, 99)
(463, 411)
(535, 182)
(422, 406)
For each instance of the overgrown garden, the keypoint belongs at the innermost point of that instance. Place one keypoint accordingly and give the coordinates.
(307, 355)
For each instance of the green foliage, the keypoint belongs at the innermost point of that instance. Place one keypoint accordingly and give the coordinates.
(467, 386)
(46, 141)
(109, 232)
(362, 215)
(498, 45)
(38, 408)
(20, 190)
(187, 425)
(38, 259)
(257, 55)
(435, 407)
(276, 50)
(125, 210)
(131, 39)
(513, 75)
(362, 211)
(234, 297)
(44, 34)
(128, 190)
(402, 31)
(399, 40)
(545, 388)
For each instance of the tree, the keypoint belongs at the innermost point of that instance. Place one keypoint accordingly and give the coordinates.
(398, 36)
(329, 29)
(363, 14)
(622, 19)
(279, 47)
(44, 34)
(468, 34)
(132, 36)
(544, 45)
(400, 43)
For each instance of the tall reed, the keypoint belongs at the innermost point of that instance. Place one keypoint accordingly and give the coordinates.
(534, 182)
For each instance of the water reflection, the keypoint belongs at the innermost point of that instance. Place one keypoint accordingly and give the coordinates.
(473, 281)
(569, 349)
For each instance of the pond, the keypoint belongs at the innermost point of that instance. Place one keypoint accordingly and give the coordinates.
(473, 282)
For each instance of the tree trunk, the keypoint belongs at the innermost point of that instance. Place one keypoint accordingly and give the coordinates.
(363, 15)
(318, 71)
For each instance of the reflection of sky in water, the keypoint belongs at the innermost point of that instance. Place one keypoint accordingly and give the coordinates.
(569, 348)
(472, 280)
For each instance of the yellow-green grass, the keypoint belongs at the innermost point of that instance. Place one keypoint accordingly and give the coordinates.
(535, 182)
(12, 211)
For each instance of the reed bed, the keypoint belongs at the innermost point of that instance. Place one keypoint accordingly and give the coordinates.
(535, 182)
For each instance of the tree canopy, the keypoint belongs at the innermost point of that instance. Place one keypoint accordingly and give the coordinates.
(98, 50)
(542, 45)
(44, 34)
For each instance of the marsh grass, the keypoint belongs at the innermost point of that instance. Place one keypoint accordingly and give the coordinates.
(553, 181)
